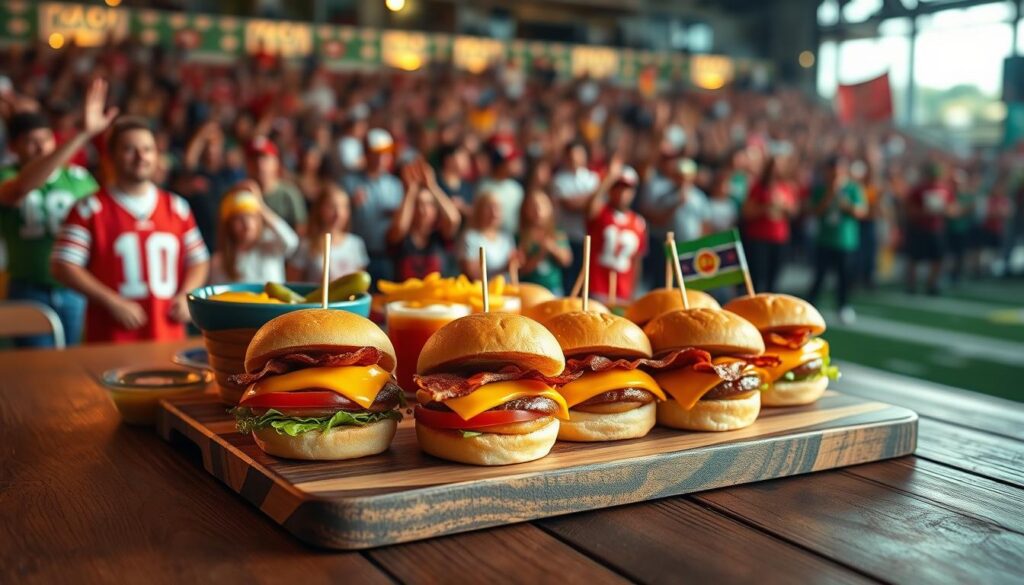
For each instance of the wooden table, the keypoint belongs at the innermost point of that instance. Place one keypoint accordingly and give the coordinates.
(86, 499)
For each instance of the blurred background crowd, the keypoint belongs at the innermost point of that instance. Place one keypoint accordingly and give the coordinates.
(412, 171)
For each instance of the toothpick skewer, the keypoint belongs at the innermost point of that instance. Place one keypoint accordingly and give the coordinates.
(577, 286)
(483, 280)
(586, 273)
(325, 298)
(679, 275)
(513, 271)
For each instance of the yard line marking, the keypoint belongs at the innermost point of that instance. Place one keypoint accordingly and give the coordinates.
(943, 305)
(963, 344)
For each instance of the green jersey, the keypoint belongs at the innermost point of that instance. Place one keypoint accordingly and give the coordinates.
(839, 229)
(547, 273)
(30, 227)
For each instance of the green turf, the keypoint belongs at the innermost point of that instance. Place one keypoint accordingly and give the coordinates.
(928, 362)
(939, 319)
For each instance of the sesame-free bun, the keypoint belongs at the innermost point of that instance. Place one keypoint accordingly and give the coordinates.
(531, 294)
(487, 448)
(714, 330)
(348, 442)
(590, 426)
(484, 341)
(663, 300)
(711, 415)
(783, 393)
(603, 334)
(548, 309)
(778, 312)
(308, 330)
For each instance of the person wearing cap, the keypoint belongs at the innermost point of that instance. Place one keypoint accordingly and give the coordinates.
(253, 241)
(263, 163)
(572, 187)
(618, 234)
(502, 184)
(36, 194)
(684, 207)
(376, 194)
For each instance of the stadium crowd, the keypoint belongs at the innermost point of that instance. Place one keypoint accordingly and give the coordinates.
(412, 172)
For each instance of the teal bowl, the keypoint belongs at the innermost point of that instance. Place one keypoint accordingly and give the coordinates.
(211, 315)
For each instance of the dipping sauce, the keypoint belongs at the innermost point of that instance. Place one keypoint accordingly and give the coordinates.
(136, 392)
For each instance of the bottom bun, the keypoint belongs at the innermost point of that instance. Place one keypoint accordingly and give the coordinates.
(338, 443)
(794, 393)
(711, 415)
(589, 426)
(488, 448)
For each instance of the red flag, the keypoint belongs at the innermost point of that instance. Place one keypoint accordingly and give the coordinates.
(869, 101)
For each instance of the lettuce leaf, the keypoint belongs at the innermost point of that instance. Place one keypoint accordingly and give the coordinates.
(246, 421)
(468, 434)
(827, 370)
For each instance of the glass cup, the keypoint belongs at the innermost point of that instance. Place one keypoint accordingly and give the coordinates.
(409, 326)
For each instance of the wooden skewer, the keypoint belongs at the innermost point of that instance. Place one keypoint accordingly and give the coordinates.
(586, 273)
(743, 265)
(670, 238)
(324, 299)
(577, 286)
(679, 276)
(613, 286)
(483, 280)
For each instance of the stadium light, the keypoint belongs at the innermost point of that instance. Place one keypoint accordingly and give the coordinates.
(113, 3)
(56, 40)
(394, 5)
(806, 59)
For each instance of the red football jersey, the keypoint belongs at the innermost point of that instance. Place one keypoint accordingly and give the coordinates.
(617, 240)
(143, 259)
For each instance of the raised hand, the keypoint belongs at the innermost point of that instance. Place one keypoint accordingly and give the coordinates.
(96, 117)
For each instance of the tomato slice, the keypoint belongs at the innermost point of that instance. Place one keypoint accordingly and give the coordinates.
(306, 399)
(449, 420)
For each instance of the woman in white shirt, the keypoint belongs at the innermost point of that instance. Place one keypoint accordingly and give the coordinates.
(332, 213)
(252, 241)
(485, 230)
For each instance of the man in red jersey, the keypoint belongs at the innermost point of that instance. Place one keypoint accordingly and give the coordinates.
(618, 234)
(132, 249)
(929, 206)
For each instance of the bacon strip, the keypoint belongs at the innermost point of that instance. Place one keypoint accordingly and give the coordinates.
(680, 358)
(364, 356)
(794, 340)
(447, 386)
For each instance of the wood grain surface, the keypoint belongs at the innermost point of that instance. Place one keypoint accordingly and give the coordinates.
(404, 495)
(87, 500)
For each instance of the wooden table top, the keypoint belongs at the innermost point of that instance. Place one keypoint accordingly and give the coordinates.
(85, 499)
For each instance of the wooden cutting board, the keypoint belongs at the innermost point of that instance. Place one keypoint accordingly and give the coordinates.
(404, 495)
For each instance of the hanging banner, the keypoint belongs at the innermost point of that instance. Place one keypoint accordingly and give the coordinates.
(476, 54)
(278, 37)
(86, 26)
(870, 101)
(596, 62)
(407, 51)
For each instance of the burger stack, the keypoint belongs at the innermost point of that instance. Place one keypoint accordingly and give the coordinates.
(500, 388)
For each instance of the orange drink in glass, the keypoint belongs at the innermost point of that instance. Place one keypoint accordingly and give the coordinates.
(409, 326)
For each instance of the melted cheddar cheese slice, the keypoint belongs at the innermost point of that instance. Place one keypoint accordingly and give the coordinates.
(360, 384)
(488, 396)
(687, 385)
(591, 384)
(816, 348)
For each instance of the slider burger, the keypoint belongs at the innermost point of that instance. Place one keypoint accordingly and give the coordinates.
(789, 326)
(531, 295)
(611, 398)
(485, 390)
(320, 387)
(719, 393)
(663, 300)
(543, 311)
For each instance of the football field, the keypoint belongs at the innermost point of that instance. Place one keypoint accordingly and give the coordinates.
(971, 337)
